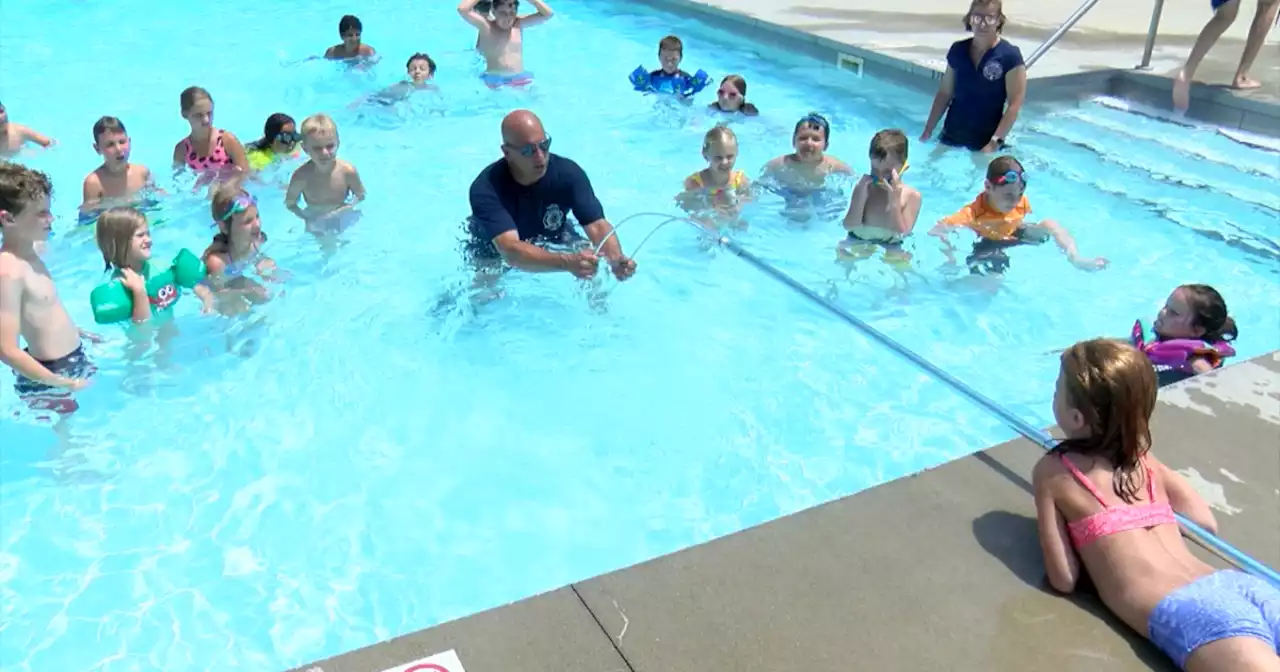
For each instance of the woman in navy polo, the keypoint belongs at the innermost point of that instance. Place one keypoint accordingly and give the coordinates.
(984, 72)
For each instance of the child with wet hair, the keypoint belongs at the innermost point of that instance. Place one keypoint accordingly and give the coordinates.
(1105, 507)
(1193, 334)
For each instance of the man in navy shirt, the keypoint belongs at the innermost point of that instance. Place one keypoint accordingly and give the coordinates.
(983, 73)
(521, 203)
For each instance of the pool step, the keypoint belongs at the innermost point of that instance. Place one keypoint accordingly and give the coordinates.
(1188, 174)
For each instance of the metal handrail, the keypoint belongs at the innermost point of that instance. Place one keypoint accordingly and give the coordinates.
(1150, 46)
(1083, 9)
(1031, 432)
(1062, 30)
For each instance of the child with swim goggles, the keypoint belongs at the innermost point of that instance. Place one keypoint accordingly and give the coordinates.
(719, 186)
(1193, 334)
(1105, 506)
(883, 209)
(236, 249)
(998, 217)
(124, 238)
(280, 140)
(732, 97)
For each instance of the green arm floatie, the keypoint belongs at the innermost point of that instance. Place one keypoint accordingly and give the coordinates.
(112, 303)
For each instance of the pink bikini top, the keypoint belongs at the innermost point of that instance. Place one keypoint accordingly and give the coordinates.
(217, 157)
(1111, 520)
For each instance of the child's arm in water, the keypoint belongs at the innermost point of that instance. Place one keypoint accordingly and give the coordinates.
(857, 204)
(90, 192)
(205, 295)
(235, 150)
(32, 135)
(907, 199)
(1068, 245)
(294, 193)
(355, 185)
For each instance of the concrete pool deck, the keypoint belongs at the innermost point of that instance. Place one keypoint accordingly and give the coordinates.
(1098, 56)
(940, 570)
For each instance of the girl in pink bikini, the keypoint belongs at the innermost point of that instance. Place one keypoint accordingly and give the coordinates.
(209, 152)
(1105, 507)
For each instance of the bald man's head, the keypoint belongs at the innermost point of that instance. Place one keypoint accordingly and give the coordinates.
(525, 146)
(521, 128)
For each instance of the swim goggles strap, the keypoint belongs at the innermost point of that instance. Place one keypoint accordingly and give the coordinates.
(243, 201)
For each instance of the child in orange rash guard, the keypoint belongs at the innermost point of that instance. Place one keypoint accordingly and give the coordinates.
(998, 215)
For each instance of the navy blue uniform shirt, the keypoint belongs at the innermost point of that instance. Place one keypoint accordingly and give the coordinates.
(538, 212)
(977, 103)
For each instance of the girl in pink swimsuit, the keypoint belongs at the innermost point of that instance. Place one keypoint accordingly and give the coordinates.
(1106, 506)
(208, 151)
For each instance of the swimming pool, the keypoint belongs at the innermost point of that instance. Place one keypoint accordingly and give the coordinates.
(355, 462)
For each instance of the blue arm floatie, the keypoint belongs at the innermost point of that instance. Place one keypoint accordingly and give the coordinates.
(698, 82)
(639, 78)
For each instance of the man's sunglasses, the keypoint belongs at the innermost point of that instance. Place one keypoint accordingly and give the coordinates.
(1010, 177)
(529, 149)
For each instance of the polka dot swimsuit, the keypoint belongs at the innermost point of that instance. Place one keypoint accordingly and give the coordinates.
(217, 158)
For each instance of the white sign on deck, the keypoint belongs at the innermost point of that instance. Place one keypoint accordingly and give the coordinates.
(440, 662)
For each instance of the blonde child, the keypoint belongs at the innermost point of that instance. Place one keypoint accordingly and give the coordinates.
(719, 185)
(1193, 334)
(124, 238)
(236, 250)
(330, 185)
(116, 179)
(30, 309)
(1105, 506)
(883, 209)
(208, 151)
(998, 217)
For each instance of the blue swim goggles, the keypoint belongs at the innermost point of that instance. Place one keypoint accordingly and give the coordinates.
(244, 200)
(1010, 178)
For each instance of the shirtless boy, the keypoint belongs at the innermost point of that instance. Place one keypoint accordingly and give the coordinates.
(350, 30)
(14, 136)
(330, 185)
(883, 209)
(501, 39)
(116, 180)
(29, 303)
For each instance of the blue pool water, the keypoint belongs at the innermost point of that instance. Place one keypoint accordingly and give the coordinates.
(351, 463)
